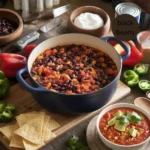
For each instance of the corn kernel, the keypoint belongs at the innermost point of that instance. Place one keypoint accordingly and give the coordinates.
(105, 128)
(109, 137)
(93, 62)
(48, 85)
(40, 57)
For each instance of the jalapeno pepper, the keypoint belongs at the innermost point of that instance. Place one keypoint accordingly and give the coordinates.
(10, 107)
(6, 116)
(131, 78)
(141, 69)
(144, 85)
(6, 111)
(2, 106)
(4, 85)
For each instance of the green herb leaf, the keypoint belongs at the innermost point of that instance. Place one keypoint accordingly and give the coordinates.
(135, 118)
(76, 144)
(123, 120)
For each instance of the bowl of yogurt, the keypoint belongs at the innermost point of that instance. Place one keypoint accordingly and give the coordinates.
(89, 20)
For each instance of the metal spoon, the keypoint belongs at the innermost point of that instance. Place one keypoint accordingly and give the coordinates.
(143, 102)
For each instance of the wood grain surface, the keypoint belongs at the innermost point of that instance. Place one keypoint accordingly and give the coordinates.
(24, 102)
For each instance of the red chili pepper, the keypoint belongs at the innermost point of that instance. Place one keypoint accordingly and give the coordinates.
(28, 49)
(11, 63)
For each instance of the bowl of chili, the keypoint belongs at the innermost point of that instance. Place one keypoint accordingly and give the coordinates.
(73, 73)
(124, 126)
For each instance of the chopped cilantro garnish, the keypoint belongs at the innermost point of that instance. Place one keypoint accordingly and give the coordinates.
(123, 120)
(135, 118)
(76, 144)
(126, 118)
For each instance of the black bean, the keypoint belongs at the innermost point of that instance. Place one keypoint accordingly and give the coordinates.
(69, 54)
(7, 26)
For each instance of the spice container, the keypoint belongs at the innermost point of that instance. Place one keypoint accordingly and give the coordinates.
(143, 39)
(56, 2)
(25, 8)
(128, 8)
(48, 3)
(32, 6)
(40, 5)
(17, 4)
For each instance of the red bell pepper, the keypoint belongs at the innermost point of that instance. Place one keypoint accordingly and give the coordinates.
(11, 63)
(135, 57)
(28, 49)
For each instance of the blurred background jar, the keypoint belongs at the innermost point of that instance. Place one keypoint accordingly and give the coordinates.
(30, 6)
(143, 39)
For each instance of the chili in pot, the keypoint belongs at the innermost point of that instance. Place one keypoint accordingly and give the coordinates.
(73, 69)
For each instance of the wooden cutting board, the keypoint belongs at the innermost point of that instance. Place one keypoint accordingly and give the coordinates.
(25, 103)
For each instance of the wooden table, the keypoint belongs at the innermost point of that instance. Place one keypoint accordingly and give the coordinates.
(60, 143)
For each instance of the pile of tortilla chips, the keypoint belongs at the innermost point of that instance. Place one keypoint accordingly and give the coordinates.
(31, 131)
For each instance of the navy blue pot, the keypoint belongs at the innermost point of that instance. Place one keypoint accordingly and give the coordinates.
(80, 103)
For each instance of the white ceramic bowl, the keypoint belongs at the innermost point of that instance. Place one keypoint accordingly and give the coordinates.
(117, 146)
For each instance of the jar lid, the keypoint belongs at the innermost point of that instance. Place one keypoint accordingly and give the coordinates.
(128, 8)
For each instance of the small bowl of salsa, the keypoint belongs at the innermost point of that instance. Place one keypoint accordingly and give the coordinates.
(124, 126)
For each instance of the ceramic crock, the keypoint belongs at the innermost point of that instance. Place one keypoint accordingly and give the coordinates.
(79, 103)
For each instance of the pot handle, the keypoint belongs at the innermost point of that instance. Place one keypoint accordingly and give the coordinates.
(127, 50)
(24, 83)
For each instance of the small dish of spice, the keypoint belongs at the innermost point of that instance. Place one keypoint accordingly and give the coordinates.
(89, 20)
(11, 26)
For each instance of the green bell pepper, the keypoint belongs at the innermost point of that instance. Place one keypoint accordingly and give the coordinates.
(4, 85)
(140, 69)
(6, 116)
(144, 85)
(131, 78)
(2, 106)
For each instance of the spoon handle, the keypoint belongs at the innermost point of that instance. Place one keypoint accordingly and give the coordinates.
(143, 102)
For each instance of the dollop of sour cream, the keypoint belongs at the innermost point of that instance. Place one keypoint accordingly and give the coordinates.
(89, 21)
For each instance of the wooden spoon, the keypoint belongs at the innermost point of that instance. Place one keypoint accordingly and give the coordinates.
(143, 102)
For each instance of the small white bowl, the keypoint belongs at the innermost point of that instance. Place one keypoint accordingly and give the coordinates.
(112, 145)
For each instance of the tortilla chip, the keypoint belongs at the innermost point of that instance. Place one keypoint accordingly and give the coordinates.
(32, 130)
(8, 131)
(30, 146)
(53, 125)
(16, 141)
(24, 118)
(48, 135)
